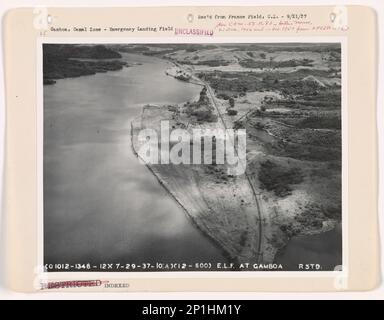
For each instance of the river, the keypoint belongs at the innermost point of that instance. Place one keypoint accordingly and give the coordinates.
(324, 249)
(100, 204)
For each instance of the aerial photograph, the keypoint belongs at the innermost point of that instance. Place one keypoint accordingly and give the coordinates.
(135, 174)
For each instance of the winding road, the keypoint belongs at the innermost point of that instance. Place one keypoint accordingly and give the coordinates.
(259, 214)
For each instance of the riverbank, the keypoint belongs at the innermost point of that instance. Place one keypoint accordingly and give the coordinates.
(223, 207)
(290, 193)
(94, 181)
(291, 187)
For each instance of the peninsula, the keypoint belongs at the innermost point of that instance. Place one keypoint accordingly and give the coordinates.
(288, 98)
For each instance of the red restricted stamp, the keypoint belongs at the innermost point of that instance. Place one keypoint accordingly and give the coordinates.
(71, 284)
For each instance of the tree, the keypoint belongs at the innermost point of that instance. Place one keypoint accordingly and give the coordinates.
(262, 55)
(231, 102)
(270, 62)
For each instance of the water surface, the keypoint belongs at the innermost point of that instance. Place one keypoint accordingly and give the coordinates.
(100, 204)
(324, 249)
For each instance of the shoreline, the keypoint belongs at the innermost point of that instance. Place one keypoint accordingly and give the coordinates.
(190, 217)
(228, 222)
(268, 251)
(70, 61)
(91, 68)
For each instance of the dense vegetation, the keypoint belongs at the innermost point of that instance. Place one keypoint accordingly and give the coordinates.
(210, 63)
(334, 49)
(278, 179)
(261, 64)
(202, 109)
(318, 122)
(65, 51)
(63, 61)
(300, 88)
